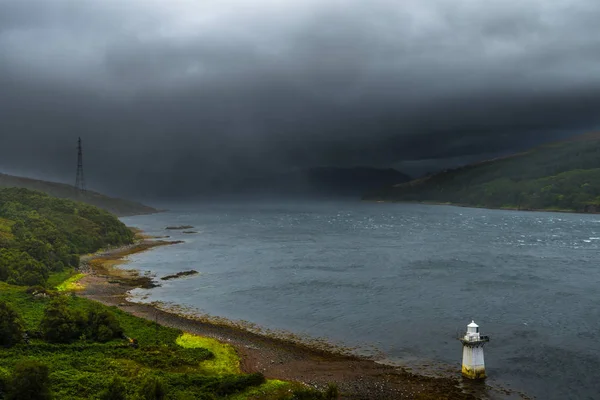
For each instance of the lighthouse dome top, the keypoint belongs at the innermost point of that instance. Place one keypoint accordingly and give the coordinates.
(472, 325)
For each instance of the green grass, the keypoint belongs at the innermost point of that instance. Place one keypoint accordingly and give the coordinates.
(226, 360)
(71, 284)
(271, 390)
(31, 311)
(58, 278)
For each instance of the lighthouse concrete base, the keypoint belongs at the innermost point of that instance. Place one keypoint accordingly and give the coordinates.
(473, 373)
(473, 366)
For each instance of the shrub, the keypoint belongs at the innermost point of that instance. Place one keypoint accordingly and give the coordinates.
(115, 390)
(236, 383)
(306, 394)
(60, 324)
(30, 381)
(36, 290)
(11, 327)
(4, 382)
(152, 389)
(102, 326)
(19, 268)
(332, 392)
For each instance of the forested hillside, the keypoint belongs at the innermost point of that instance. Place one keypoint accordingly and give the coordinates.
(40, 234)
(113, 205)
(557, 176)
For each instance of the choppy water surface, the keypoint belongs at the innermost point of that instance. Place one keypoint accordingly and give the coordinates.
(404, 278)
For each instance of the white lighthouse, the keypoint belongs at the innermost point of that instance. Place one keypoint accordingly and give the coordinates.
(473, 366)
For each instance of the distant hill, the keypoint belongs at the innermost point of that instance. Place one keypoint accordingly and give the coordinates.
(325, 181)
(113, 205)
(560, 176)
(352, 180)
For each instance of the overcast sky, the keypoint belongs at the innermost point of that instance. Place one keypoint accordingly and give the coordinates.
(170, 95)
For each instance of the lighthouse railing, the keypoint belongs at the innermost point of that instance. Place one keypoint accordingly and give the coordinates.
(473, 339)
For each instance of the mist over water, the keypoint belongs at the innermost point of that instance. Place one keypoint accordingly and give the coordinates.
(403, 278)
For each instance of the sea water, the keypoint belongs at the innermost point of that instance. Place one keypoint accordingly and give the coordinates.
(404, 279)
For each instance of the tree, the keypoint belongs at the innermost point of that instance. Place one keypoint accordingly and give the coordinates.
(7, 260)
(11, 327)
(102, 326)
(30, 381)
(60, 324)
(19, 268)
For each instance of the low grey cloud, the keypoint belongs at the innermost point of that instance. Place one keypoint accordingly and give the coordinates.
(170, 96)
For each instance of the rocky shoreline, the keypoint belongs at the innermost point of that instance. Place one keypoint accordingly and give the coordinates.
(276, 358)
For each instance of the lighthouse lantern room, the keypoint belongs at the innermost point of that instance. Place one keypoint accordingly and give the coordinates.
(473, 366)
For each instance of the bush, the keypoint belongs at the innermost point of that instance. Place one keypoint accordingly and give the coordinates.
(115, 391)
(306, 394)
(11, 327)
(19, 268)
(102, 326)
(237, 383)
(36, 290)
(30, 381)
(332, 392)
(152, 389)
(4, 382)
(60, 324)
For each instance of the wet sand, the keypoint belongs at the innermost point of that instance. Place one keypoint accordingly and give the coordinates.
(276, 358)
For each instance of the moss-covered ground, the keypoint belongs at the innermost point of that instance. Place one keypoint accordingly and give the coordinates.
(71, 283)
(226, 360)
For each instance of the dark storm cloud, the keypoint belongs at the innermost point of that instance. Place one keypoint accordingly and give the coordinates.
(178, 93)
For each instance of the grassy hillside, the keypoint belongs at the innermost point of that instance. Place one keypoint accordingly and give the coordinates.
(40, 234)
(113, 205)
(557, 176)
